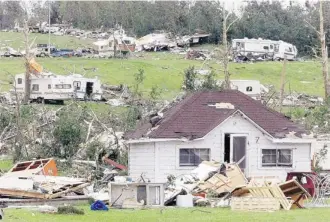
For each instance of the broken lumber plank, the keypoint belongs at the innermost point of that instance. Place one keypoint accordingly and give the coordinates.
(22, 193)
(59, 194)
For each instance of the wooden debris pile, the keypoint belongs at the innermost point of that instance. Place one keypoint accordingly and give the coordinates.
(257, 197)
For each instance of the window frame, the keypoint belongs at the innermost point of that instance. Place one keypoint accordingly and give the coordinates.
(35, 89)
(195, 162)
(77, 85)
(277, 163)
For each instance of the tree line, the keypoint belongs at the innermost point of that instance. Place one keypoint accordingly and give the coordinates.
(265, 19)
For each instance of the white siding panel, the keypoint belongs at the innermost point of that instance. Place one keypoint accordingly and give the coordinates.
(142, 160)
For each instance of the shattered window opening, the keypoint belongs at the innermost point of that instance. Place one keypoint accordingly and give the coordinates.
(277, 157)
(193, 157)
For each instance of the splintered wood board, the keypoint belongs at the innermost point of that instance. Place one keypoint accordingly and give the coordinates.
(254, 204)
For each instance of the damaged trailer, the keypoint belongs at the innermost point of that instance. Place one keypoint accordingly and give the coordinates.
(262, 49)
(48, 86)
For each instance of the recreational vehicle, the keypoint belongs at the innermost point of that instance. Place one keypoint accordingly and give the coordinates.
(247, 49)
(48, 86)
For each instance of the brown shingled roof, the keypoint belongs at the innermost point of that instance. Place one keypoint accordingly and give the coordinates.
(194, 117)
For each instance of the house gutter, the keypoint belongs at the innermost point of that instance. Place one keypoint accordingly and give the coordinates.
(294, 140)
(150, 140)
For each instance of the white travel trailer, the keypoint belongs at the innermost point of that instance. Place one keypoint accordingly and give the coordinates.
(48, 86)
(247, 49)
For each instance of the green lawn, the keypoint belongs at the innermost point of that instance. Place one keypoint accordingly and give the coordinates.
(5, 165)
(165, 70)
(173, 215)
(15, 40)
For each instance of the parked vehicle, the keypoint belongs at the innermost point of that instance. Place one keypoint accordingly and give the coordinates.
(63, 53)
(262, 49)
(42, 50)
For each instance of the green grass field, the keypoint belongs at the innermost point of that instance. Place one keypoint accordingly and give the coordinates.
(15, 40)
(165, 70)
(5, 164)
(173, 215)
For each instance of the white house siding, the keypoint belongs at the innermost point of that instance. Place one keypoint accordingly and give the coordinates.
(165, 155)
(142, 160)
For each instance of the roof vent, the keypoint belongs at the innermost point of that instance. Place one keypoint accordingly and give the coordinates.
(223, 105)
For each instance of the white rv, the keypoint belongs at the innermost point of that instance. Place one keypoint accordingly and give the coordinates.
(48, 86)
(247, 49)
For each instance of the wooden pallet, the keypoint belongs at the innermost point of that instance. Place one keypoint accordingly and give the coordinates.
(254, 204)
(271, 191)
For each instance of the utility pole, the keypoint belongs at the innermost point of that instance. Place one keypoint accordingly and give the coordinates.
(27, 64)
(324, 51)
(49, 27)
(283, 74)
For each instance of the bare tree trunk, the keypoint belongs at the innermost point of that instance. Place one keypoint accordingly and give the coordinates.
(325, 68)
(225, 45)
(282, 83)
(27, 68)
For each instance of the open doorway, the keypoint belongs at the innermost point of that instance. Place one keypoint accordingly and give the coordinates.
(89, 88)
(227, 148)
(235, 149)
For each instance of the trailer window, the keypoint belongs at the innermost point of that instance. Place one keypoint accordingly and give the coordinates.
(19, 81)
(77, 85)
(266, 47)
(271, 46)
(35, 87)
(58, 86)
(66, 86)
(49, 86)
(249, 89)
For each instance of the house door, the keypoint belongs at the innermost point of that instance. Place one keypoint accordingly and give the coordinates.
(238, 150)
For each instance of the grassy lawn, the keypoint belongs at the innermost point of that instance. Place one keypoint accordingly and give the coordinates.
(165, 70)
(173, 215)
(5, 165)
(15, 40)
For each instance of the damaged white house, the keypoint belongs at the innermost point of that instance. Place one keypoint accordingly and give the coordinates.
(247, 49)
(225, 126)
(48, 86)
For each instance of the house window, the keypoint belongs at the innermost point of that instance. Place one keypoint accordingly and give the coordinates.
(35, 87)
(193, 157)
(77, 85)
(19, 81)
(249, 89)
(49, 86)
(277, 157)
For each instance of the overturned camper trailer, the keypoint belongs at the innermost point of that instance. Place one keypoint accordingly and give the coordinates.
(48, 86)
(254, 49)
